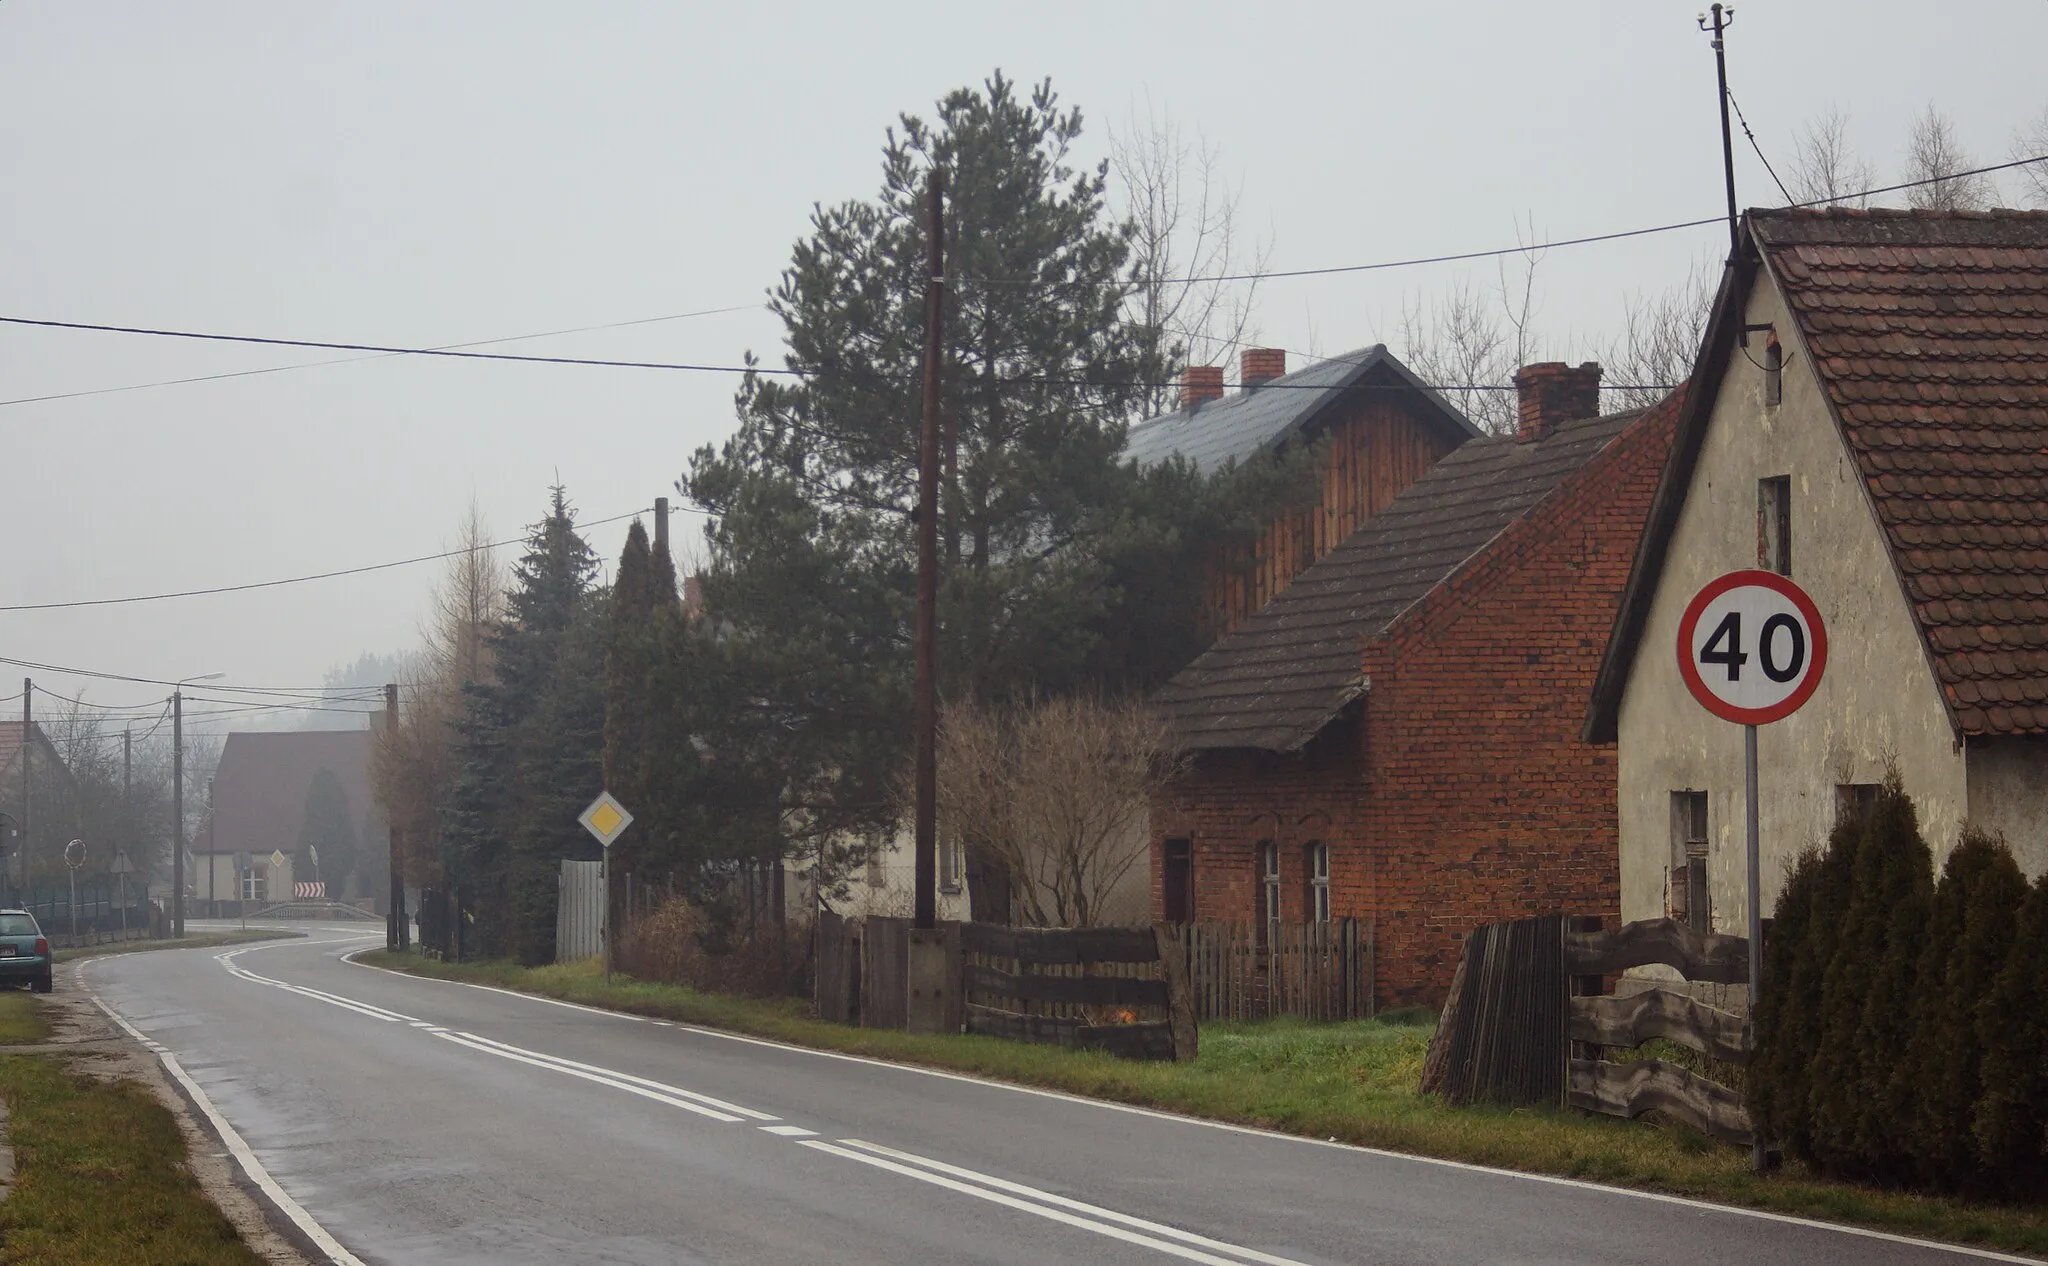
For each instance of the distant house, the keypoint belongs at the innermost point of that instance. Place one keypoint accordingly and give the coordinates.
(1870, 418)
(1383, 427)
(45, 764)
(259, 805)
(1395, 737)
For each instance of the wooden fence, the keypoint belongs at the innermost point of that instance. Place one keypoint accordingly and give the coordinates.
(1319, 971)
(1527, 1021)
(861, 970)
(1121, 990)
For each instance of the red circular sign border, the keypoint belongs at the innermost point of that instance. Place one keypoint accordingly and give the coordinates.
(1690, 672)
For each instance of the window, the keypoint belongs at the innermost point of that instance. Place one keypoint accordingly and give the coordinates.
(1690, 901)
(256, 883)
(1857, 800)
(1774, 524)
(1177, 881)
(1319, 883)
(878, 874)
(1269, 892)
(1774, 372)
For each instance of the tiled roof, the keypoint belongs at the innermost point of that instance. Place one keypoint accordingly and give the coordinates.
(259, 792)
(1276, 680)
(1929, 332)
(1215, 432)
(10, 749)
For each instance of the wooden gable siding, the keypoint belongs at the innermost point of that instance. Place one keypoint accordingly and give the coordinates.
(1375, 449)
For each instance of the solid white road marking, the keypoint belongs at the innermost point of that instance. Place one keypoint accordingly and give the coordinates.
(1065, 1202)
(1054, 1214)
(674, 1101)
(791, 1131)
(241, 1151)
(665, 1088)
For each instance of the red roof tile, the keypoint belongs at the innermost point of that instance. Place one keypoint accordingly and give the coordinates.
(1929, 332)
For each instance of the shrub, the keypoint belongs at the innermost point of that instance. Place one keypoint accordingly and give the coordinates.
(670, 945)
(2011, 1119)
(1969, 937)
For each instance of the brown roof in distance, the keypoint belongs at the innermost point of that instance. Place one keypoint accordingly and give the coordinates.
(10, 749)
(259, 792)
(1280, 677)
(1930, 335)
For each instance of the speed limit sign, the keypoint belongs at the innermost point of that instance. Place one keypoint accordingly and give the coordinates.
(1751, 647)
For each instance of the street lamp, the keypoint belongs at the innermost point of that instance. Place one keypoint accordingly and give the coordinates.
(178, 800)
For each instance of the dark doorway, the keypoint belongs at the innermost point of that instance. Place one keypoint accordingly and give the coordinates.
(1177, 889)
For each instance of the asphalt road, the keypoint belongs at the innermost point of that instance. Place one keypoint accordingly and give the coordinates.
(421, 1121)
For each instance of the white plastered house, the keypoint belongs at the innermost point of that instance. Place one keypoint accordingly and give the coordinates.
(1868, 414)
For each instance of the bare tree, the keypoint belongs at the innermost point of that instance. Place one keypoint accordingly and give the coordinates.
(1185, 235)
(2029, 145)
(1055, 794)
(412, 768)
(1470, 342)
(1659, 339)
(1826, 169)
(1934, 153)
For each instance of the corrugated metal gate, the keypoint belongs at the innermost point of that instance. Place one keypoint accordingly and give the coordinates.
(579, 912)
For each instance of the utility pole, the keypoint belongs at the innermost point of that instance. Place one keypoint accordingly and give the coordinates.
(1724, 17)
(395, 934)
(178, 813)
(28, 799)
(661, 524)
(927, 721)
(127, 816)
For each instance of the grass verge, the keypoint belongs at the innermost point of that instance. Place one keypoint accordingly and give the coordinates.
(207, 940)
(1352, 1082)
(99, 1168)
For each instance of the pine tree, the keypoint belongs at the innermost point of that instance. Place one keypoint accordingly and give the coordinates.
(2011, 1117)
(1789, 1023)
(1969, 935)
(628, 678)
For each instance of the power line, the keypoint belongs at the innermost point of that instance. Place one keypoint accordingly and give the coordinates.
(1744, 121)
(297, 580)
(352, 360)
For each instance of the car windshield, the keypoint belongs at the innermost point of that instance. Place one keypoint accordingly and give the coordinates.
(17, 925)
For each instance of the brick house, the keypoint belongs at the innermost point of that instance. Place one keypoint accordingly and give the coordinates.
(1396, 735)
(1382, 427)
(1870, 418)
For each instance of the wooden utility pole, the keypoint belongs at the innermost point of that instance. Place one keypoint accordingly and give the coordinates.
(661, 524)
(1724, 17)
(28, 800)
(396, 935)
(927, 909)
(177, 813)
(128, 813)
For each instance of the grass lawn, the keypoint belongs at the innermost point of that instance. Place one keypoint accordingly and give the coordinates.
(1353, 1082)
(99, 1168)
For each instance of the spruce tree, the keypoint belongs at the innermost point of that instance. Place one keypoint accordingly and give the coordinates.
(328, 828)
(530, 745)
(2011, 1117)
(1789, 1022)
(628, 677)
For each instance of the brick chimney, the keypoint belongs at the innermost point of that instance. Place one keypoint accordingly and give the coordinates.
(1261, 365)
(1199, 383)
(1554, 393)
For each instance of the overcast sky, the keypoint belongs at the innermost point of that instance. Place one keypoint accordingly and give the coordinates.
(439, 173)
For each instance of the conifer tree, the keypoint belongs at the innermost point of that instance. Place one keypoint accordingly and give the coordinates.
(1789, 1028)
(628, 679)
(330, 829)
(2011, 1117)
(1969, 936)
(1859, 1129)
(530, 745)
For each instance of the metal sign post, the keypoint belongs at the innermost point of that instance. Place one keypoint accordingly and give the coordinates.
(606, 819)
(1752, 648)
(121, 868)
(74, 857)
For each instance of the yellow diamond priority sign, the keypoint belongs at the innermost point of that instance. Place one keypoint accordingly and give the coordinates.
(277, 858)
(606, 819)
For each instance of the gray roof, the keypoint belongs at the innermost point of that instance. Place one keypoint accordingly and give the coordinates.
(1277, 679)
(1242, 423)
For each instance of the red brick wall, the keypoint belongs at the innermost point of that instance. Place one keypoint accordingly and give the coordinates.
(1460, 793)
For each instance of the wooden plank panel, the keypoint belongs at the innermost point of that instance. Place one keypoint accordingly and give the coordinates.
(1087, 991)
(1180, 1003)
(1654, 1013)
(1061, 945)
(1629, 1090)
(1711, 957)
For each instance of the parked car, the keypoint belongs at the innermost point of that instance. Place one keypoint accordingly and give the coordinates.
(24, 951)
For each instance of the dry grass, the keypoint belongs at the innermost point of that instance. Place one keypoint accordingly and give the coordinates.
(1353, 1082)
